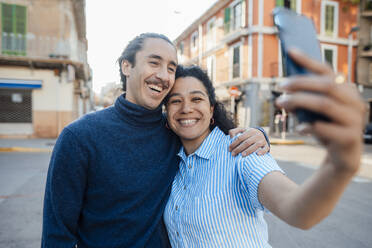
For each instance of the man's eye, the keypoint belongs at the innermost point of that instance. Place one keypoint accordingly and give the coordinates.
(197, 99)
(171, 69)
(154, 62)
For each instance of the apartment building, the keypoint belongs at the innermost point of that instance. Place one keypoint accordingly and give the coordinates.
(44, 75)
(236, 42)
(364, 63)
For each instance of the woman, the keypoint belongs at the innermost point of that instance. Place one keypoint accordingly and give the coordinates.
(218, 200)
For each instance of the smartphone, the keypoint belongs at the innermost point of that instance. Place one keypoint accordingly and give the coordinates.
(297, 31)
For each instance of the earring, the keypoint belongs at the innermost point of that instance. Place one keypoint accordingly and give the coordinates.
(166, 125)
(212, 121)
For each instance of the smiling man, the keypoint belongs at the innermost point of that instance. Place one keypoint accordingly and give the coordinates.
(111, 171)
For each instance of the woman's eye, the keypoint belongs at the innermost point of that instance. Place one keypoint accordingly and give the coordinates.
(171, 69)
(174, 101)
(197, 99)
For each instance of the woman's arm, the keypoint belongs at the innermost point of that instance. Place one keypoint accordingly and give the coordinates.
(305, 205)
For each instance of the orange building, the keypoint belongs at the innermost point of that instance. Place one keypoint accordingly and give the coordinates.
(236, 42)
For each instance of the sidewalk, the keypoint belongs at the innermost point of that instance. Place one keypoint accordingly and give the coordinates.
(310, 153)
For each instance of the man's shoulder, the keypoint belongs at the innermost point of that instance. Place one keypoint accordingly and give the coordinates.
(91, 120)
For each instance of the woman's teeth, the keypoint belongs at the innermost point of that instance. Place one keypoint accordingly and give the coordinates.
(188, 122)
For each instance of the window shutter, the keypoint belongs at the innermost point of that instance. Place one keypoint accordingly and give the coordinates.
(280, 3)
(6, 13)
(20, 17)
(227, 20)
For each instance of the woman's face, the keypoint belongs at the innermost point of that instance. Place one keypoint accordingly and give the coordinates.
(189, 110)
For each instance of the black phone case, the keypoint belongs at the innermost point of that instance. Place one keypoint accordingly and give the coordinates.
(297, 31)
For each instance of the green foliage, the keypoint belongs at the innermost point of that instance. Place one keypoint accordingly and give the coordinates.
(351, 1)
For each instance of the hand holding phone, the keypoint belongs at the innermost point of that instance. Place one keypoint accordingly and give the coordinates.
(297, 32)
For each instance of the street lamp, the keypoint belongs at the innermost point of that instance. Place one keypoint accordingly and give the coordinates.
(350, 52)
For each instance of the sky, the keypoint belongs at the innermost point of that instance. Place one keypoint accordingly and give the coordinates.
(111, 24)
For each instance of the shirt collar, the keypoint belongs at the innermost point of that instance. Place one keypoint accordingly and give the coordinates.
(206, 149)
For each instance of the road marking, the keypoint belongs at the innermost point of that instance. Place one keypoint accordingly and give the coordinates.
(17, 196)
(361, 180)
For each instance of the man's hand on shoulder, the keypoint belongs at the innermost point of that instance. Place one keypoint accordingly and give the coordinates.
(250, 140)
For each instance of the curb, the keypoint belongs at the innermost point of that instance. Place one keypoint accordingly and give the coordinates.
(286, 142)
(24, 149)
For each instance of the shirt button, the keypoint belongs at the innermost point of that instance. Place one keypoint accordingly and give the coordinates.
(176, 207)
(177, 234)
(189, 166)
(184, 187)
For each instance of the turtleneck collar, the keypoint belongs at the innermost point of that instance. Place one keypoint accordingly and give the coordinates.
(135, 114)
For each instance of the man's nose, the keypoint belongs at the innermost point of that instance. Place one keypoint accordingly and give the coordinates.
(163, 74)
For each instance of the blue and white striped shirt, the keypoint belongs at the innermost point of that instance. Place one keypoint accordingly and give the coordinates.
(214, 199)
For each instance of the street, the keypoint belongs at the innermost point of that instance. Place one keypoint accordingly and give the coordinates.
(23, 175)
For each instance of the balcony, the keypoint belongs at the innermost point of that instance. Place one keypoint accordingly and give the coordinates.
(42, 47)
(232, 26)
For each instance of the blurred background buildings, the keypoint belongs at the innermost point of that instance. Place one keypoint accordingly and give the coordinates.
(236, 42)
(45, 79)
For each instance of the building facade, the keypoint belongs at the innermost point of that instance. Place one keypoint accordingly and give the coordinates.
(236, 42)
(364, 63)
(44, 75)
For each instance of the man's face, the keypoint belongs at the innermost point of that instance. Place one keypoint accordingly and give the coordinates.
(153, 75)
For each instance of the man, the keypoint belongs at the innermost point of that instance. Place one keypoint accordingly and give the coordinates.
(111, 171)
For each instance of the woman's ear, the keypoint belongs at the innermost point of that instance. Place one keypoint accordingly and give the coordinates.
(125, 67)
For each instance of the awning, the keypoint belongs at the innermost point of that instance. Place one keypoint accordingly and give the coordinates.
(20, 83)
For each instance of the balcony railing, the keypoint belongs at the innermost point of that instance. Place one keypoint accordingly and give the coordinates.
(43, 47)
(231, 26)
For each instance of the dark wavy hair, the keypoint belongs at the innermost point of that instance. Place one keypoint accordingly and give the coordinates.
(222, 118)
(131, 50)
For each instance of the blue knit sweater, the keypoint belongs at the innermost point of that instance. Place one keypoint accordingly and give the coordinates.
(109, 179)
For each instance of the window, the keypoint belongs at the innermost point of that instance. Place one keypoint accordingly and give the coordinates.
(211, 68)
(234, 17)
(329, 18)
(294, 5)
(329, 54)
(237, 16)
(211, 34)
(13, 29)
(236, 62)
(194, 40)
(180, 48)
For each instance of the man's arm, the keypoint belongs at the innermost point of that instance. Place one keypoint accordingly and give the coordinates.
(250, 140)
(64, 192)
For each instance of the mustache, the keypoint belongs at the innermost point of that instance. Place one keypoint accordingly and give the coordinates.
(158, 82)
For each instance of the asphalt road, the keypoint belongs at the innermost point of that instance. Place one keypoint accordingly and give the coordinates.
(22, 180)
(348, 226)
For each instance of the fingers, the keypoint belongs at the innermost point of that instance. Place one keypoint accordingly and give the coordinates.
(248, 142)
(263, 150)
(248, 146)
(346, 93)
(342, 136)
(308, 63)
(339, 113)
(235, 131)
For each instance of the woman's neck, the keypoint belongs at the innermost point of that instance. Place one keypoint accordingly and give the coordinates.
(191, 145)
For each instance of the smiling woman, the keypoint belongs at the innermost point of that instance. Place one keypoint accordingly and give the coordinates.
(217, 200)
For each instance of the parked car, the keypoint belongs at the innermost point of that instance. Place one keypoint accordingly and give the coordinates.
(367, 135)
